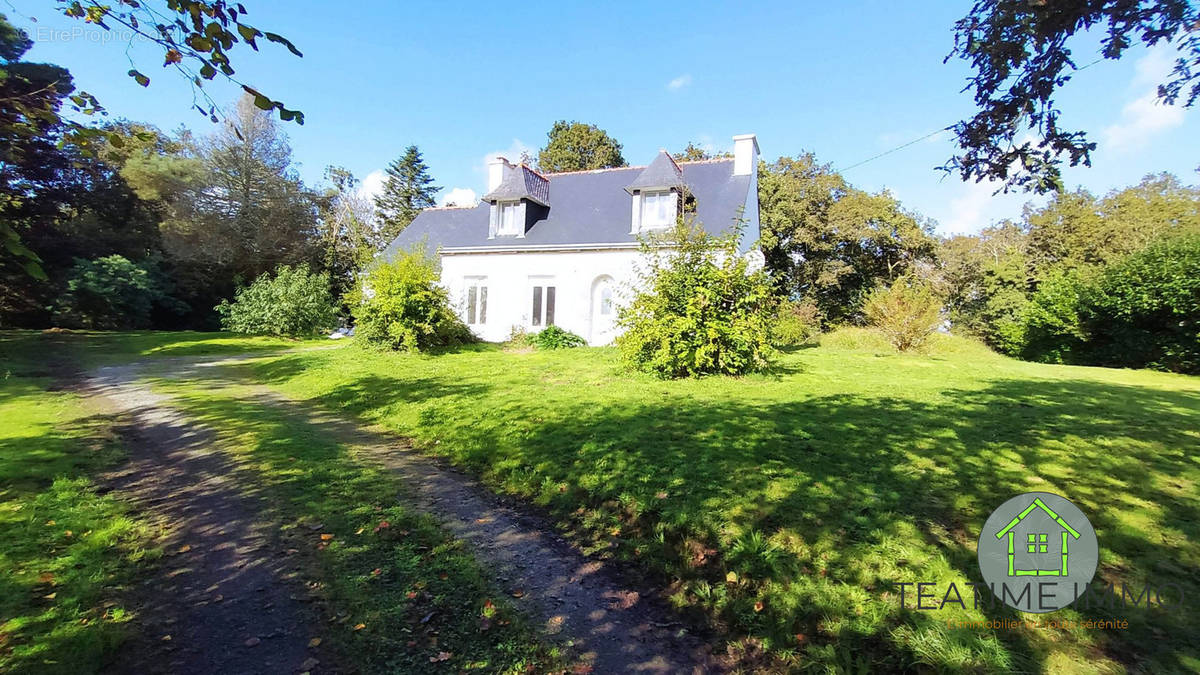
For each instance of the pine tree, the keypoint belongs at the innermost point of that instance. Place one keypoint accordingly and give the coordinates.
(408, 189)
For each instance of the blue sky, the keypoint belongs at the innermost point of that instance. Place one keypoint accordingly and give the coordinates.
(463, 81)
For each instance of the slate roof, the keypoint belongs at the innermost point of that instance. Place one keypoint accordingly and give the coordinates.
(663, 172)
(587, 208)
(522, 182)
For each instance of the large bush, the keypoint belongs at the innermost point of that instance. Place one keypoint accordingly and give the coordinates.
(1144, 311)
(401, 306)
(108, 293)
(293, 301)
(700, 309)
(1052, 330)
(907, 312)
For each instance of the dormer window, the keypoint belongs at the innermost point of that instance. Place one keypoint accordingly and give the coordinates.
(658, 209)
(510, 218)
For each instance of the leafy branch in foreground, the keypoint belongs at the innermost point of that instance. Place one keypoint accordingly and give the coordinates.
(197, 38)
(1018, 50)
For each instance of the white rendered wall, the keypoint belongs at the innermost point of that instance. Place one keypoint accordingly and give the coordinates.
(511, 277)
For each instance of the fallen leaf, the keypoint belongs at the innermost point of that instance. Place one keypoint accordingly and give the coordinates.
(487, 604)
(326, 537)
(731, 577)
(442, 656)
(376, 572)
(68, 533)
(359, 626)
(185, 548)
(46, 578)
(581, 669)
(359, 530)
(660, 495)
(309, 664)
(410, 595)
(383, 525)
(49, 523)
(50, 596)
(314, 642)
(758, 606)
(252, 642)
(518, 593)
(443, 576)
(316, 526)
(800, 637)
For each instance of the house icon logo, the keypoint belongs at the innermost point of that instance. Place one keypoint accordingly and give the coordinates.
(1038, 552)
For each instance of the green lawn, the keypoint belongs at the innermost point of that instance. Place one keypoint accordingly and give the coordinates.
(816, 489)
(400, 594)
(65, 550)
(68, 554)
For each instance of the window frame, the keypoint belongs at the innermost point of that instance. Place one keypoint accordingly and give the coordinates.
(511, 207)
(543, 300)
(475, 300)
(664, 211)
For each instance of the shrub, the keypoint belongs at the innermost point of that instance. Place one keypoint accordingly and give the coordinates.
(107, 293)
(1052, 330)
(553, 337)
(907, 312)
(292, 301)
(797, 323)
(400, 305)
(700, 309)
(1144, 311)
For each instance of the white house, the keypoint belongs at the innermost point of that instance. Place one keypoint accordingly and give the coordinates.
(562, 248)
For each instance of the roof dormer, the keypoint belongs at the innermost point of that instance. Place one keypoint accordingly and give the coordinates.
(656, 192)
(521, 198)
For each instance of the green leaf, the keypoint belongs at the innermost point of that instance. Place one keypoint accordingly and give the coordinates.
(263, 102)
(279, 39)
(208, 72)
(139, 78)
(116, 140)
(35, 270)
(249, 33)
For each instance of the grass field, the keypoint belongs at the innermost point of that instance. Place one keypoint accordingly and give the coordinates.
(68, 553)
(399, 592)
(65, 550)
(788, 506)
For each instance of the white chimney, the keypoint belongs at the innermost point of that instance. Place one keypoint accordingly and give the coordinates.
(745, 154)
(498, 168)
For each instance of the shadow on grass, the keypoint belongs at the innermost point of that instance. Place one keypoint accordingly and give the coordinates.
(851, 487)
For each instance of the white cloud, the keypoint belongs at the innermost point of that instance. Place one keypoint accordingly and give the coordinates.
(373, 184)
(459, 196)
(1145, 116)
(679, 82)
(967, 211)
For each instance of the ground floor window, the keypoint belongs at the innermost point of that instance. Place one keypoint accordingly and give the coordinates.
(542, 313)
(477, 296)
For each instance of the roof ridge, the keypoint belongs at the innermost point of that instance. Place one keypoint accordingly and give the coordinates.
(710, 160)
(611, 168)
(449, 207)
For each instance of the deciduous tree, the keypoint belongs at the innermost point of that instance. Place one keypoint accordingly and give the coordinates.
(1020, 53)
(575, 146)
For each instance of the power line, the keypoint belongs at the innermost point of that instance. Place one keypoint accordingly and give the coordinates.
(934, 133)
(896, 149)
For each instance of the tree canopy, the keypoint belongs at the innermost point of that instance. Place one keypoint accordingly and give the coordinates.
(829, 242)
(408, 189)
(1019, 51)
(575, 146)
